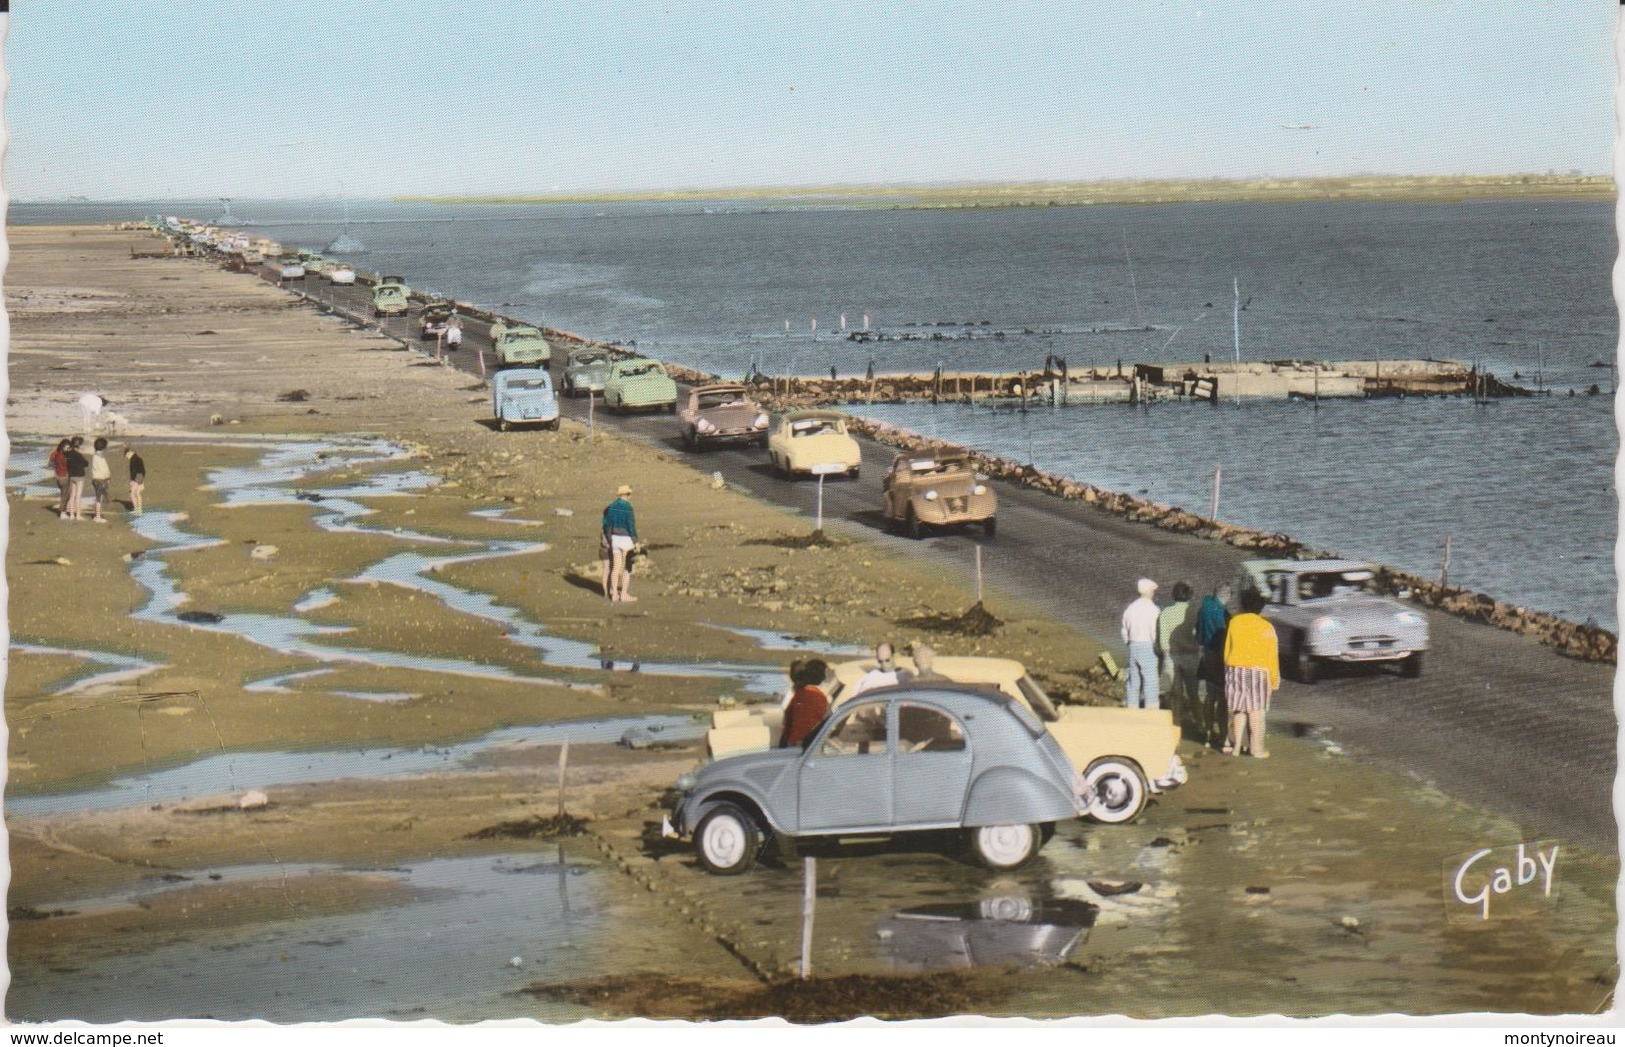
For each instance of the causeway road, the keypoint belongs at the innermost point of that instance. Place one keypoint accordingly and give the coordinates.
(1496, 720)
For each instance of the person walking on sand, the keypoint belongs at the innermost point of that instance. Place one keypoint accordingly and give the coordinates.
(100, 474)
(1211, 619)
(1252, 672)
(1177, 654)
(621, 529)
(1140, 633)
(808, 704)
(138, 478)
(58, 461)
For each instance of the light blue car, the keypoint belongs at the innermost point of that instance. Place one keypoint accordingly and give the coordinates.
(898, 759)
(524, 397)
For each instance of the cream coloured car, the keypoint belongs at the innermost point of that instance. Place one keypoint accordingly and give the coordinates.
(813, 441)
(1125, 755)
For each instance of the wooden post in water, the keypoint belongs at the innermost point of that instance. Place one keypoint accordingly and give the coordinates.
(1444, 565)
(1217, 472)
(809, 901)
(564, 766)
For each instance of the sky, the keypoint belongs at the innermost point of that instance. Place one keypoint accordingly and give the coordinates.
(110, 99)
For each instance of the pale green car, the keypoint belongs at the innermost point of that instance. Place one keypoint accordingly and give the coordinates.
(520, 346)
(639, 384)
(390, 297)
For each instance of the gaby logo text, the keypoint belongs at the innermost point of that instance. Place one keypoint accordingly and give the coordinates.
(1485, 875)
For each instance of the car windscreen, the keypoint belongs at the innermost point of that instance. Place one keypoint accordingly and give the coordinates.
(527, 383)
(1037, 699)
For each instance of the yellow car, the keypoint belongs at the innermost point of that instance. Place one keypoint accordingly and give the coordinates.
(812, 442)
(1118, 750)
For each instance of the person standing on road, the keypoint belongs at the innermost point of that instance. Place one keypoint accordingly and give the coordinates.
(1177, 654)
(1140, 633)
(138, 478)
(1252, 672)
(58, 461)
(77, 465)
(1211, 619)
(100, 474)
(621, 528)
(808, 705)
(454, 332)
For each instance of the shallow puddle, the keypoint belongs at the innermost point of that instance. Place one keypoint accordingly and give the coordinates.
(479, 930)
(227, 773)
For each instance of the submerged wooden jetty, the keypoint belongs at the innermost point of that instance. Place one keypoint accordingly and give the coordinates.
(1212, 382)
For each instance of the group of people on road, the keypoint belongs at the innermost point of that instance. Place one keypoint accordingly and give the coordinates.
(70, 467)
(1217, 669)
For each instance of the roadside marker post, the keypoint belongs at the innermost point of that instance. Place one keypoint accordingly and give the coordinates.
(482, 363)
(809, 901)
(822, 470)
(592, 398)
(1217, 471)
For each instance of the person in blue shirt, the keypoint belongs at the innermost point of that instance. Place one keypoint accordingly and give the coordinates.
(621, 534)
(1212, 619)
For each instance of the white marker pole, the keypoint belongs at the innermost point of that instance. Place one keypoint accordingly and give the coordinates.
(1235, 287)
(1217, 472)
(809, 900)
(978, 575)
(592, 398)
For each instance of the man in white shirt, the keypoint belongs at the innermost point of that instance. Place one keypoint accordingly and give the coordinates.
(885, 673)
(1140, 633)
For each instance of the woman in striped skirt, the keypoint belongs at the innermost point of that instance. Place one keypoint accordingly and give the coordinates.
(1252, 672)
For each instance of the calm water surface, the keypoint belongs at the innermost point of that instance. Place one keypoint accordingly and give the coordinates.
(1523, 488)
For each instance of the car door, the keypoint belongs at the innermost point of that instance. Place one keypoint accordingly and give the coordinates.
(932, 766)
(846, 776)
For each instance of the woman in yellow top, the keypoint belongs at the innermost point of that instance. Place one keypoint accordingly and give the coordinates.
(1252, 672)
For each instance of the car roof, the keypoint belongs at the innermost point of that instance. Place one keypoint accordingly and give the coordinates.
(720, 387)
(815, 412)
(953, 695)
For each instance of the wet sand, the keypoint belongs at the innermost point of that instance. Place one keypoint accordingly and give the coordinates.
(1247, 876)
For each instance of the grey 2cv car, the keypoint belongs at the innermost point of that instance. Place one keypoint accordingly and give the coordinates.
(1329, 611)
(898, 759)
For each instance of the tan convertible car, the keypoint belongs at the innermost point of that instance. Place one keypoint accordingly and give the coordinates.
(1125, 755)
(936, 491)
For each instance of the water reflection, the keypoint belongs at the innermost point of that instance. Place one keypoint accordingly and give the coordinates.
(1003, 931)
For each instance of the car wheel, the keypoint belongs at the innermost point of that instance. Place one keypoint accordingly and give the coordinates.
(553, 425)
(691, 440)
(852, 474)
(990, 527)
(916, 530)
(1005, 847)
(1411, 667)
(1304, 667)
(1119, 789)
(727, 841)
(502, 425)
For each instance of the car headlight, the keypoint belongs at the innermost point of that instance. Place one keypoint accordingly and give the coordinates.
(760, 422)
(978, 489)
(930, 496)
(1409, 618)
(685, 783)
(1326, 625)
(705, 426)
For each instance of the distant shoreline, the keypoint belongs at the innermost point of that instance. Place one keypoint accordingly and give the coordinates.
(1420, 188)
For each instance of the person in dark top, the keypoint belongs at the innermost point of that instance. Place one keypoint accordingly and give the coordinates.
(1212, 618)
(808, 705)
(59, 469)
(138, 478)
(78, 464)
(621, 529)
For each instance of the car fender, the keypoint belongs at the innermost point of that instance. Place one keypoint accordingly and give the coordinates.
(695, 809)
(1148, 737)
(1010, 796)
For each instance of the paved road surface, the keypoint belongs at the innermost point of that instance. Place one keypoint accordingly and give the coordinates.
(1497, 720)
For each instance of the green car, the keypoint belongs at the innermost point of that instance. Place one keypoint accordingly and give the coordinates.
(390, 297)
(521, 347)
(636, 384)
